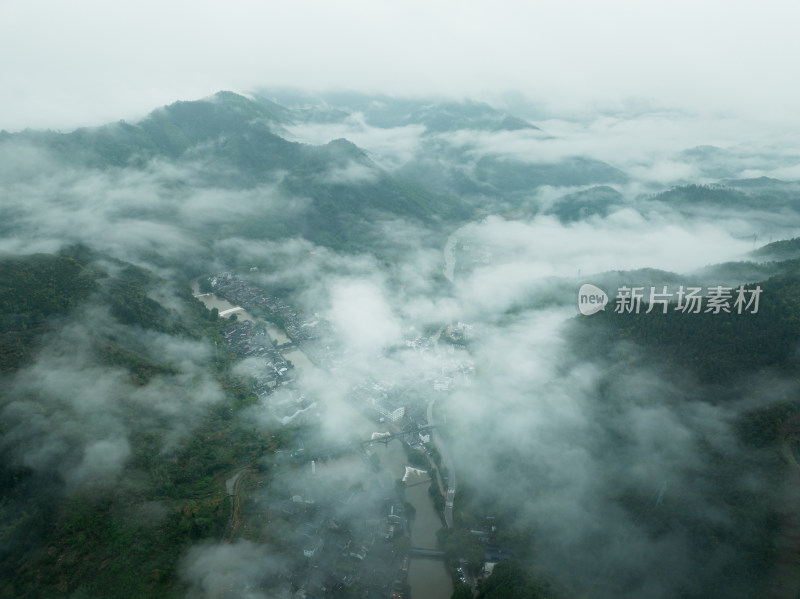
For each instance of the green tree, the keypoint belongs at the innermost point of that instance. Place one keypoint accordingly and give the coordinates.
(460, 543)
(204, 285)
(510, 579)
(461, 591)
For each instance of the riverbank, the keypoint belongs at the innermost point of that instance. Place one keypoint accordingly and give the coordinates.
(223, 306)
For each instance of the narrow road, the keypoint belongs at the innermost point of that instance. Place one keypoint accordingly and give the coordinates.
(232, 487)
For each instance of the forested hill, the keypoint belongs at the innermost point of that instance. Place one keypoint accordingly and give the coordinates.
(332, 191)
(33, 291)
(41, 293)
(716, 357)
(235, 143)
(116, 422)
(715, 346)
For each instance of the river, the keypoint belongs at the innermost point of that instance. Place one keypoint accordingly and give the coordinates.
(427, 578)
(277, 334)
(299, 360)
(212, 300)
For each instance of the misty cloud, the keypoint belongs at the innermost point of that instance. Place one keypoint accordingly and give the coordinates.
(352, 173)
(69, 414)
(556, 442)
(539, 439)
(515, 260)
(586, 452)
(730, 59)
(131, 213)
(655, 146)
(241, 569)
(390, 147)
(362, 317)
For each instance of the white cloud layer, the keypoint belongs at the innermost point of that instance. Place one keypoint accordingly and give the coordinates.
(88, 61)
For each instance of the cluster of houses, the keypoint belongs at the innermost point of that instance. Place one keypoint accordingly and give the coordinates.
(338, 537)
(342, 537)
(247, 340)
(453, 367)
(273, 372)
(454, 371)
(381, 402)
(313, 334)
(243, 293)
(460, 333)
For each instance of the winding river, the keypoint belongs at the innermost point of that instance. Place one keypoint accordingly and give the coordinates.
(427, 578)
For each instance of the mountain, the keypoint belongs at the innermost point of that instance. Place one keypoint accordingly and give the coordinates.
(786, 249)
(34, 291)
(453, 116)
(437, 116)
(335, 194)
(42, 293)
(580, 205)
(759, 194)
(509, 176)
(627, 454)
(228, 142)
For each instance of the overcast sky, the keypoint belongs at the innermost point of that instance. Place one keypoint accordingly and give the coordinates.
(65, 64)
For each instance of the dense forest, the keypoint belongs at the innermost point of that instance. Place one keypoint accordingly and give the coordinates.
(96, 539)
(715, 345)
(34, 291)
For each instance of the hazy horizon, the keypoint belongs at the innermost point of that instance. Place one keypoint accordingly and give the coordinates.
(87, 63)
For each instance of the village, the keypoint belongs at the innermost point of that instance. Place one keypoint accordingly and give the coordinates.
(353, 534)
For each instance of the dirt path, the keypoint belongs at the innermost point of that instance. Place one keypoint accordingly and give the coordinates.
(232, 488)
